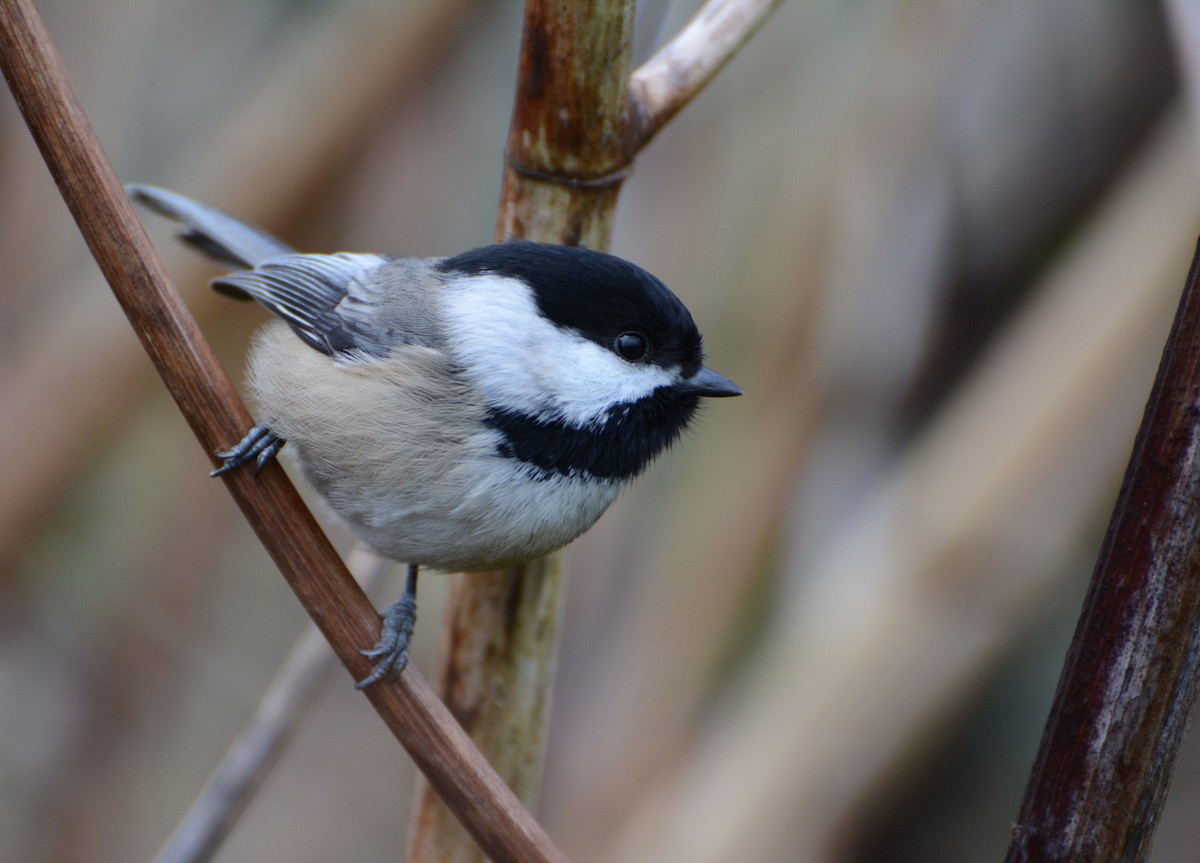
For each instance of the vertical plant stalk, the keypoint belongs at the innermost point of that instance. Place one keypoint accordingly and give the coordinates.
(208, 401)
(1132, 673)
(561, 179)
(579, 119)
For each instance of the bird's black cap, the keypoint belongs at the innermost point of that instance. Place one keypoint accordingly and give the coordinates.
(598, 295)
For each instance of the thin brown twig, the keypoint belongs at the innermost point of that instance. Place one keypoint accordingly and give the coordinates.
(207, 399)
(301, 677)
(1132, 673)
(681, 68)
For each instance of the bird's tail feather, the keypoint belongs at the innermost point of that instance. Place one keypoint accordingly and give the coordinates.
(212, 232)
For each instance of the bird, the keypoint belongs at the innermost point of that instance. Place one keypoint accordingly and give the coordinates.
(459, 413)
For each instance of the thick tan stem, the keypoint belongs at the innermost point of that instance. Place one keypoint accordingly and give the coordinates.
(579, 119)
(565, 159)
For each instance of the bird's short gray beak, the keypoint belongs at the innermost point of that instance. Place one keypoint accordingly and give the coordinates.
(706, 382)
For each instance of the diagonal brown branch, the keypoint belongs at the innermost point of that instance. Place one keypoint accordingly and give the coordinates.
(1133, 671)
(488, 809)
(357, 61)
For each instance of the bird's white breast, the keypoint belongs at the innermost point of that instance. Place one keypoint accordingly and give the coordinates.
(409, 464)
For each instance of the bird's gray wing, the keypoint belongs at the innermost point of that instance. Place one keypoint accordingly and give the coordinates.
(346, 305)
(305, 291)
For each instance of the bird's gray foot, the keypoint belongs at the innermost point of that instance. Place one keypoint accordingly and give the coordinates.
(396, 636)
(260, 445)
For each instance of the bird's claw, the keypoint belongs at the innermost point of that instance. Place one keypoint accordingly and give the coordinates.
(260, 445)
(394, 641)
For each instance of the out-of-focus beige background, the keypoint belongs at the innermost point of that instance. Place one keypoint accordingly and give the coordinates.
(938, 243)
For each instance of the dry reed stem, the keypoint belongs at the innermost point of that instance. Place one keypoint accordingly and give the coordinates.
(500, 641)
(208, 401)
(580, 117)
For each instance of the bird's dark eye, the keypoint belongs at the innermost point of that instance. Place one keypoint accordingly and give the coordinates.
(631, 346)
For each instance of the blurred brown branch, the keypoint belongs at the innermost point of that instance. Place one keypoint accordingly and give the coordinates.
(208, 401)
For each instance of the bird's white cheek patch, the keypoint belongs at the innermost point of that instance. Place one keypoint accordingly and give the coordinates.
(521, 361)
(589, 379)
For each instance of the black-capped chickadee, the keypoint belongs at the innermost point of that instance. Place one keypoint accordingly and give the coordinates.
(461, 413)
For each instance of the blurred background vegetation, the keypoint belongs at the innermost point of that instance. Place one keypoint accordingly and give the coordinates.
(938, 243)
